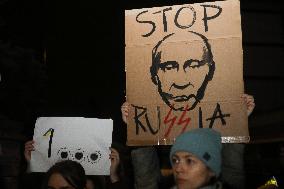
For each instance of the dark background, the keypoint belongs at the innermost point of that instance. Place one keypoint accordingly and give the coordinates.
(66, 58)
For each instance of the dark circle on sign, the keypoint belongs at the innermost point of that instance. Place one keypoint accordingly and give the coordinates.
(79, 155)
(94, 156)
(64, 155)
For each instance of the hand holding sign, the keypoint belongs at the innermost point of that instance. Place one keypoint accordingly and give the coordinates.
(184, 70)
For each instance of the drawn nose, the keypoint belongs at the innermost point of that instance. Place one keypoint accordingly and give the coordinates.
(181, 81)
(180, 86)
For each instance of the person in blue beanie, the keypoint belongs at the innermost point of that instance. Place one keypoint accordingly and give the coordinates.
(147, 171)
(196, 159)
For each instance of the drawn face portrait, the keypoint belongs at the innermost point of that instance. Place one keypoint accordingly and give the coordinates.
(182, 78)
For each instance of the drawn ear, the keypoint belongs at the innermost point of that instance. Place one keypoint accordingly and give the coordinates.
(211, 71)
(155, 79)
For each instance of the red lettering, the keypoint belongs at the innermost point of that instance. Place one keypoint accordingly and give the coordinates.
(182, 120)
(167, 120)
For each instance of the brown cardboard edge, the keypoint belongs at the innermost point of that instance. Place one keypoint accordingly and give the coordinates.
(236, 139)
(150, 142)
(226, 139)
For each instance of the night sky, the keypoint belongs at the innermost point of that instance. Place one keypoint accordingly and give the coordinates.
(83, 74)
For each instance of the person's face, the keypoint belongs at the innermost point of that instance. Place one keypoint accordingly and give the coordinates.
(189, 171)
(56, 181)
(182, 76)
(90, 184)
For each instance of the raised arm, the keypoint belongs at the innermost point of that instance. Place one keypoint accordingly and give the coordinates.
(249, 100)
(29, 147)
(125, 111)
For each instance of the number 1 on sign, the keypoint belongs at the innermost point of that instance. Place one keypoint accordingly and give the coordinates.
(50, 133)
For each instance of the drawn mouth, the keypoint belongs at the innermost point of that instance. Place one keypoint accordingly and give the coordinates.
(180, 98)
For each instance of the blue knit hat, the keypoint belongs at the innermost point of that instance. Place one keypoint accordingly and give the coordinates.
(204, 143)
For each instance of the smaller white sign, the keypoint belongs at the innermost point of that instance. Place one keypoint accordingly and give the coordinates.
(85, 140)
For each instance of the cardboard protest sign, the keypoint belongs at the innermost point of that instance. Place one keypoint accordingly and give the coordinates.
(85, 140)
(184, 69)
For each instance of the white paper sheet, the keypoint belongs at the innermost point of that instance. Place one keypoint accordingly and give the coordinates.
(85, 140)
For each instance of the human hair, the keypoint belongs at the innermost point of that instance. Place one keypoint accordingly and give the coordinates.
(71, 171)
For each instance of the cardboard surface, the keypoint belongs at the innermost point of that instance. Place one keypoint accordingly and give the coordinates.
(184, 69)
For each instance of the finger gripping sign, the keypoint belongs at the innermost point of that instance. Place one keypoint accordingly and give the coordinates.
(184, 69)
(85, 140)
